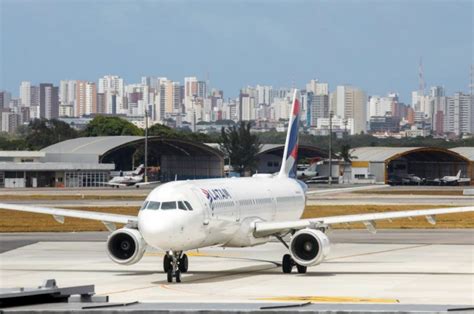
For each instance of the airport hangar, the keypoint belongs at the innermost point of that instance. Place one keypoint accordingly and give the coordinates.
(382, 163)
(88, 161)
(270, 155)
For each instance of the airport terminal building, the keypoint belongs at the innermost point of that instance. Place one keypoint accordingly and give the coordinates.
(88, 161)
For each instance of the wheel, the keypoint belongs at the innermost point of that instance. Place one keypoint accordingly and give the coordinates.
(183, 264)
(170, 275)
(301, 269)
(178, 276)
(287, 264)
(166, 263)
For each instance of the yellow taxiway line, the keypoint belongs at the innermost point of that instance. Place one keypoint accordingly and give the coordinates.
(328, 299)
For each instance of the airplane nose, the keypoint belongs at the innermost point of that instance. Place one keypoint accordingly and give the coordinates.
(158, 228)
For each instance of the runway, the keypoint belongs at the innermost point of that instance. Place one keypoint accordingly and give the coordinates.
(405, 266)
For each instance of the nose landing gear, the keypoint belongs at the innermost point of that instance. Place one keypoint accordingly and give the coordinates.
(175, 263)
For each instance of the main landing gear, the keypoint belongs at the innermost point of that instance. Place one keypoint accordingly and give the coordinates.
(175, 263)
(288, 263)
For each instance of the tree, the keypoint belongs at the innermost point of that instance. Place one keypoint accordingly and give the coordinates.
(240, 146)
(345, 155)
(162, 130)
(42, 132)
(110, 126)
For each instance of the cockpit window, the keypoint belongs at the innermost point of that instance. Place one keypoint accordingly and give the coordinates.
(188, 205)
(144, 205)
(153, 205)
(168, 205)
(181, 206)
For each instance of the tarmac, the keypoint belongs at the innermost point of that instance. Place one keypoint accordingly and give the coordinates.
(393, 271)
(435, 268)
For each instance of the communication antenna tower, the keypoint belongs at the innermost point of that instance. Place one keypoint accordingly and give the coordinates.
(471, 84)
(421, 79)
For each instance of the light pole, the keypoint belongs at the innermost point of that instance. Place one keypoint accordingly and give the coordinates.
(146, 145)
(330, 147)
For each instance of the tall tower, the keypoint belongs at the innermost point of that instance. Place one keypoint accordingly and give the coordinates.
(471, 84)
(421, 79)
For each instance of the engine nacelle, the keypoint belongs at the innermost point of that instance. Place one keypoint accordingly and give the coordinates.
(309, 247)
(126, 246)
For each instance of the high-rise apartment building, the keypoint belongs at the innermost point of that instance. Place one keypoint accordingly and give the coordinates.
(67, 92)
(247, 104)
(10, 121)
(25, 94)
(319, 108)
(113, 89)
(317, 88)
(459, 114)
(86, 98)
(351, 103)
(49, 101)
(264, 95)
(382, 106)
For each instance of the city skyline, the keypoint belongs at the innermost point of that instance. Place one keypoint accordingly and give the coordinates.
(375, 46)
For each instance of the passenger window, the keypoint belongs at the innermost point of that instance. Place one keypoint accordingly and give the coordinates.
(181, 206)
(168, 205)
(144, 205)
(153, 205)
(188, 205)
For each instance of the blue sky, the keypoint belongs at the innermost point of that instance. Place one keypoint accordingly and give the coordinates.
(375, 45)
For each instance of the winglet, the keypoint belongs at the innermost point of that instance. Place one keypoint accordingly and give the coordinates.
(290, 154)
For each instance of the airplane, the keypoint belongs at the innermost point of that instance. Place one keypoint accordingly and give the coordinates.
(230, 212)
(131, 178)
(449, 180)
(307, 172)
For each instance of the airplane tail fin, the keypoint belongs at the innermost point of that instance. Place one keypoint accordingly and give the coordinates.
(458, 176)
(140, 169)
(290, 154)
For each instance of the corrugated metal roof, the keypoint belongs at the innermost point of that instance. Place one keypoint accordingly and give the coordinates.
(90, 145)
(381, 154)
(53, 166)
(467, 152)
(265, 147)
(378, 154)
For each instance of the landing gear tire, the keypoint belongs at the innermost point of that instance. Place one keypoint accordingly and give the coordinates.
(178, 276)
(287, 264)
(174, 265)
(183, 264)
(301, 269)
(166, 263)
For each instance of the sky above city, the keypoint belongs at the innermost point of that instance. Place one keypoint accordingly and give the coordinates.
(375, 45)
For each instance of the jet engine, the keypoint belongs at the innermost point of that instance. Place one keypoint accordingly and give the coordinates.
(126, 246)
(309, 247)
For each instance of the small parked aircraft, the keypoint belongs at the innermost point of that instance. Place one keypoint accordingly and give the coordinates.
(132, 178)
(449, 180)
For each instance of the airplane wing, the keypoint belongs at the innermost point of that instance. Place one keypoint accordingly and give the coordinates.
(344, 190)
(113, 183)
(59, 213)
(276, 228)
(146, 183)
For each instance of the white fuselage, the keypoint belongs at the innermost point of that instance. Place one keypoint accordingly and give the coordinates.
(126, 179)
(223, 211)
